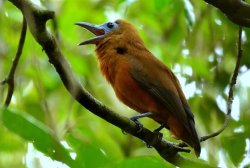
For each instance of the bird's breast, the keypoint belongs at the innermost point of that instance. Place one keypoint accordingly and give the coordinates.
(115, 61)
(107, 58)
(130, 92)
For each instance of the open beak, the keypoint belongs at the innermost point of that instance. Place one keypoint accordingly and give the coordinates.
(95, 29)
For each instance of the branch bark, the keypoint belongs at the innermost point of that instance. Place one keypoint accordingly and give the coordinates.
(237, 11)
(10, 79)
(36, 18)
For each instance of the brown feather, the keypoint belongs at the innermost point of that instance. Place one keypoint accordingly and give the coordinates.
(145, 84)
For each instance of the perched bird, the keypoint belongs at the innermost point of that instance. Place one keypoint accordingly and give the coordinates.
(140, 80)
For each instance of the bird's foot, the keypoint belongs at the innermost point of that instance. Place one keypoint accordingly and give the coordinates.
(135, 119)
(139, 125)
(157, 136)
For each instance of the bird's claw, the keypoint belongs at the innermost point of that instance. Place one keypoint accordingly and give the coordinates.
(157, 137)
(139, 125)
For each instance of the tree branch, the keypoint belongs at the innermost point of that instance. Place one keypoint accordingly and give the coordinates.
(237, 11)
(36, 18)
(11, 76)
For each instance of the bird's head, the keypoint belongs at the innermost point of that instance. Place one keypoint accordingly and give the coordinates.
(108, 29)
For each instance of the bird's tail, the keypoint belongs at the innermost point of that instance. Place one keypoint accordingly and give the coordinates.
(195, 139)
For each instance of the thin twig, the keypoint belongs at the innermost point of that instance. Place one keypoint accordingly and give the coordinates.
(230, 93)
(231, 89)
(10, 78)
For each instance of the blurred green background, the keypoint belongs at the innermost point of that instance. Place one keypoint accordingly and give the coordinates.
(194, 39)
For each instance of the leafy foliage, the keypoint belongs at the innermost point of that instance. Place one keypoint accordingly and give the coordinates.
(196, 40)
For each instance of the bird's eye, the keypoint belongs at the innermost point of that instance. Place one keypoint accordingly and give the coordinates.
(110, 25)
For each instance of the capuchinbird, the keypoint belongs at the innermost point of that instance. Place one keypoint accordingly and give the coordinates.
(140, 80)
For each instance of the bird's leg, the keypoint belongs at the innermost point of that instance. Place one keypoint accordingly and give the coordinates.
(160, 127)
(135, 119)
(157, 136)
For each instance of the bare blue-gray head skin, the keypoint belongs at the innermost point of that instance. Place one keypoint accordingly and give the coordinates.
(100, 31)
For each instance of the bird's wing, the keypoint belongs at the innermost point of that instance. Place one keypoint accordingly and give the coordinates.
(160, 82)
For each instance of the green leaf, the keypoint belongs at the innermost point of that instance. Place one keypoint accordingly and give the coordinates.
(160, 4)
(144, 161)
(40, 135)
(94, 156)
(235, 147)
(90, 155)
